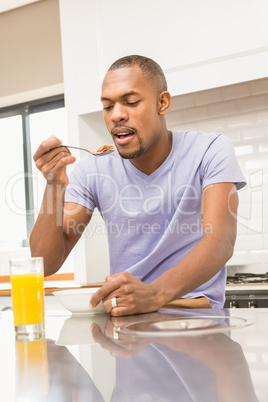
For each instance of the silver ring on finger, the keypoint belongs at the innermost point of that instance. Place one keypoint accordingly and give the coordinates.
(114, 303)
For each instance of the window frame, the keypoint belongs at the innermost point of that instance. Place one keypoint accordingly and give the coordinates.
(25, 110)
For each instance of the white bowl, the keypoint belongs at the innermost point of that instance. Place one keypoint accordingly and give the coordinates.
(77, 301)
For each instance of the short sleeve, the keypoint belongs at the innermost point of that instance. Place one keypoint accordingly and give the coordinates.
(79, 188)
(219, 164)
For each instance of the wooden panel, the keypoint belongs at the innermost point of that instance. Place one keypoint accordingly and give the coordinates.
(53, 288)
(55, 277)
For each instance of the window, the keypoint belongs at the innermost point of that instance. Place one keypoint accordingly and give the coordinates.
(23, 128)
(12, 204)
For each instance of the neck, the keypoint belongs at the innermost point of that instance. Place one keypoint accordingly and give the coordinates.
(153, 157)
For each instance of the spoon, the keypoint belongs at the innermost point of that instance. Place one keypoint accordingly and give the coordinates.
(101, 151)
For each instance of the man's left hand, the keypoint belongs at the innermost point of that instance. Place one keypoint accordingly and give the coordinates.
(132, 295)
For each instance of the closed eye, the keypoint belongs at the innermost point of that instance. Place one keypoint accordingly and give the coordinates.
(107, 108)
(133, 103)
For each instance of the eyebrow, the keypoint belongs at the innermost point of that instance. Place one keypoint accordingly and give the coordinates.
(103, 98)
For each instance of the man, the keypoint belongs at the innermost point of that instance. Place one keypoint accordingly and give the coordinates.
(168, 199)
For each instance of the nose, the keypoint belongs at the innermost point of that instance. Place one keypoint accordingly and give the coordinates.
(119, 113)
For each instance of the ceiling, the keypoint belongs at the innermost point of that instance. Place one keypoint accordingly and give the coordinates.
(6, 5)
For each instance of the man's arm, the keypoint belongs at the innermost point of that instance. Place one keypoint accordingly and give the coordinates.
(219, 206)
(55, 231)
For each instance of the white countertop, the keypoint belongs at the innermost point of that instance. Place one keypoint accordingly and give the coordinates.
(86, 357)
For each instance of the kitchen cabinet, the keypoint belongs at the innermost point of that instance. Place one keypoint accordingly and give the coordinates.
(200, 45)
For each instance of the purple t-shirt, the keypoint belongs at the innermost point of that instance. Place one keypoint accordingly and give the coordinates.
(154, 220)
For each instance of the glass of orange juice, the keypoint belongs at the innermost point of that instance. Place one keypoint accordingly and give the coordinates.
(27, 278)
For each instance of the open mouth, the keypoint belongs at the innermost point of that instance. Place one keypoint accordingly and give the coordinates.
(122, 137)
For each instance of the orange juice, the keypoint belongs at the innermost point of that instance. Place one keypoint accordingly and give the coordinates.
(28, 298)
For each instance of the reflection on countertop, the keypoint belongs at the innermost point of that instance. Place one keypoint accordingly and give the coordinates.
(89, 358)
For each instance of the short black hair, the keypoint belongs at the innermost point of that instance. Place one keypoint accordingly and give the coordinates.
(150, 69)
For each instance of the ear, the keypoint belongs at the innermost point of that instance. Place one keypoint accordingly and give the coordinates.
(164, 102)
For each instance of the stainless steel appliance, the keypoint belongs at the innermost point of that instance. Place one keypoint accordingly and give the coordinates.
(247, 290)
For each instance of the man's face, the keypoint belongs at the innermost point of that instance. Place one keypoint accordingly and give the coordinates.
(130, 111)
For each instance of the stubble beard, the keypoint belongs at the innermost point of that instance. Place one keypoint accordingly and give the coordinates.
(133, 154)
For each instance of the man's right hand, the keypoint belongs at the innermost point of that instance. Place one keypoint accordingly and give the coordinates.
(55, 231)
(51, 159)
